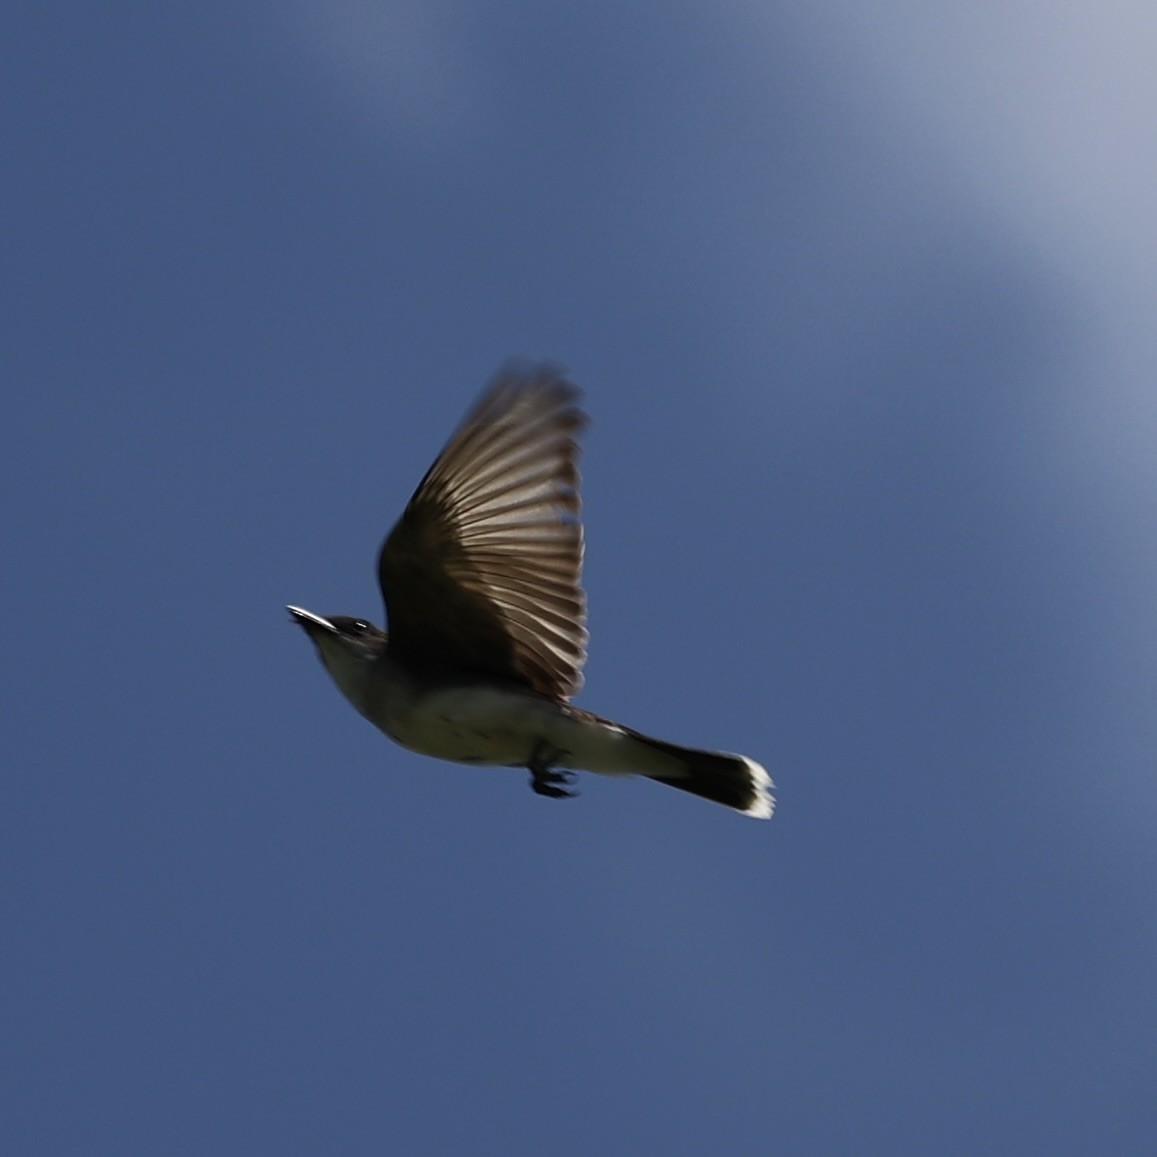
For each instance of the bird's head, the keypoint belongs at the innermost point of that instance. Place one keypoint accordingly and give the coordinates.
(347, 646)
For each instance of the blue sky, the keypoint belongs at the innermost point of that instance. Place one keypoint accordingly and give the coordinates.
(861, 298)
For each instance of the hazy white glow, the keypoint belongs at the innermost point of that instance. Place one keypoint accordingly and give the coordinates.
(1044, 114)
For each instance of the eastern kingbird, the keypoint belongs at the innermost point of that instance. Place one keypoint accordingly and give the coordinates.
(487, 635)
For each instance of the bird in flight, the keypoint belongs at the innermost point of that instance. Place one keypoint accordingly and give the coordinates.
(487, 637)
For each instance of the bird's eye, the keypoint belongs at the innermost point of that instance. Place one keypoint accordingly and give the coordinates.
(361, 625)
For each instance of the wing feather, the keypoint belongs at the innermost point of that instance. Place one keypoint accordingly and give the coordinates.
(483, 570)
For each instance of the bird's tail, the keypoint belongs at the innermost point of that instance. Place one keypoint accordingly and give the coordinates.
(732, 780)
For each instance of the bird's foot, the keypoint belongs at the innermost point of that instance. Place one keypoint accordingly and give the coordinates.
(552, 784)
(544, 780)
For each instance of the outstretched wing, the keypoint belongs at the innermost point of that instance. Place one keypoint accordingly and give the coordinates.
(483, 570)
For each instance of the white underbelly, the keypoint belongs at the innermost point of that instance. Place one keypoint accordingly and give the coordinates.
(494, 726)
(469, 725)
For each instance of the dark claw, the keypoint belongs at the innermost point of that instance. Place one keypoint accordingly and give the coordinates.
(544, 780)
(551, 785)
